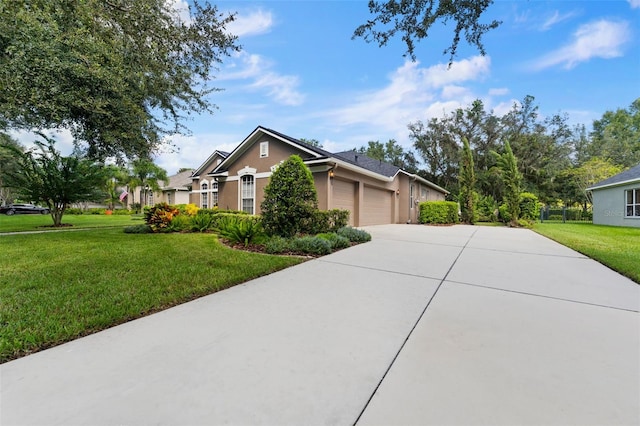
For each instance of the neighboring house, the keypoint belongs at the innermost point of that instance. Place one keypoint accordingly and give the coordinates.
(616, 201)
(374, 192)
(175, 191)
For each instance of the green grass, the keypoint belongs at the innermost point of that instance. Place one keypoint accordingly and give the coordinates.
(38, 222)
(616, 247)
(58, 286)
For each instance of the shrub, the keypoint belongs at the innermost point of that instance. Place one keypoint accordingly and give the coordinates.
(323, 221)
(160, 216)
(277, 245)
(290, 198)
(122, 212)
(439, 212)
(73, 210)
(96, 211)
(243, 230)
(311, 245)
(503, 213)
(529, 206)
(138, 229)
(336, 241)
(179, 223)
(487, 207)
(201, 222)
(525, 223)
(354, 235)
(191, 209)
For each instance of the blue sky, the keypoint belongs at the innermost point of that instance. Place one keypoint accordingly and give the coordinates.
(300, 73)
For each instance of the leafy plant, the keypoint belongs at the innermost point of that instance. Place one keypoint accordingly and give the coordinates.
(242, 230)
(529, 206)
(354, 235)
(323, 221)
(277, 245)
(311, 245)
(290, 198)
(439, 212)
(160, 216)
(138, 229)
(179, 223)
(201, 222)
(336, 241)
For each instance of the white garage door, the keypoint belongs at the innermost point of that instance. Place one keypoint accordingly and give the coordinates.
(344, 197)
(377, 206)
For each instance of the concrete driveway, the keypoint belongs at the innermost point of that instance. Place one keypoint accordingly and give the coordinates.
(424, 325)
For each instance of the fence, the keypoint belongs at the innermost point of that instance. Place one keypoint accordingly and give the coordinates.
(565, 214)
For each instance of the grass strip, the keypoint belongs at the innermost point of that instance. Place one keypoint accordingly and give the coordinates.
(37, 222)
(613, 246)
(58, 286)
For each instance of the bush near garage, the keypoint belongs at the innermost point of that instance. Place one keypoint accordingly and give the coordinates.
(439, 212)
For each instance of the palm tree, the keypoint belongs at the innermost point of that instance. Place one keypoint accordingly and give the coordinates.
(146, 175)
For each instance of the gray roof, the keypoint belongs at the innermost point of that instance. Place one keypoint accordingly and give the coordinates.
(179, 181)
(368, 163)
(630, 175)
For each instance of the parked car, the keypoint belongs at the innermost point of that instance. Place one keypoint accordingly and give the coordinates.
(12, 209)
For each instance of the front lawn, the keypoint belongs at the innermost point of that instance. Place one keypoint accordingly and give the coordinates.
(616, 247)
(58, 286)
(38, 222)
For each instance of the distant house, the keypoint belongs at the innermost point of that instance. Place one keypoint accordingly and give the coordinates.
(175, 191)
(373, 191)
(616, 201)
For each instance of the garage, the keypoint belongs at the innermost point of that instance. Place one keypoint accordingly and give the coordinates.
(344, 197)
(377, 206)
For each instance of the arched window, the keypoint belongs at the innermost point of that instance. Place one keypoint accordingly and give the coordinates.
(248, 192)
(214, 194)
(204, 196)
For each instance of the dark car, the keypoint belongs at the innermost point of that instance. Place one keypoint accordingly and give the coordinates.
(23, 209)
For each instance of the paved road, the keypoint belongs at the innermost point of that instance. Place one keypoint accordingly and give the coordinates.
(424, 325)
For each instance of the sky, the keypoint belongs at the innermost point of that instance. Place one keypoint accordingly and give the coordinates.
(300, 72)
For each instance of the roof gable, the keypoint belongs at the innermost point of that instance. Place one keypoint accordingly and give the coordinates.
(179, 181)
(628, 176)
(207, 163)
(257, 134)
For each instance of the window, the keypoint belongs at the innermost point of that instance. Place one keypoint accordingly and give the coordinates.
(633, 202)
(214, 194)
(264, 149)
(411, 189)
(150, 198)
(248, 192)
(169, 201)
(204, 202)
(424, 192)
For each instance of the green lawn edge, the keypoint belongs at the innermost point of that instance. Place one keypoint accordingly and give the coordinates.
(615, 247)
(58, 286)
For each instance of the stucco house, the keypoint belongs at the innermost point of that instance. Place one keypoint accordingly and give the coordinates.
(175, 191)
(616, 201)
(374, 192)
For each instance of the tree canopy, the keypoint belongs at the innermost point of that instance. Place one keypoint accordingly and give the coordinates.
(413, 19)
(118, 74)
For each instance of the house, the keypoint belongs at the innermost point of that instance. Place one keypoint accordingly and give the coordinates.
(373, 191)
(616, 201)
(175, 191)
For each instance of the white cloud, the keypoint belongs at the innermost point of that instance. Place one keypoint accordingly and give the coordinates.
(193, 150)
(283, 89)
(501, 91)
(255, 23)
(63, 139)
(556, 18)
(600, 39)
(634, 4)
(181, 10)
(411, 91)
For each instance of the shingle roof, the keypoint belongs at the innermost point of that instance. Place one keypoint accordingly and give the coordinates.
(180, 180)
(315, 149)
(368, 163)
(631, 174)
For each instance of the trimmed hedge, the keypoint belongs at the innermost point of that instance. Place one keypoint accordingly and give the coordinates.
(439, 212)
(324, 221)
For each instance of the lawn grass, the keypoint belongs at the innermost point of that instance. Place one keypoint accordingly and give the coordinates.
(58, 286)
(43, 222)
(616, 247)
